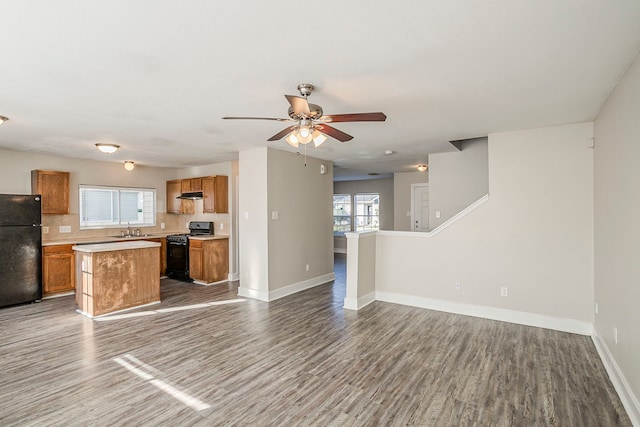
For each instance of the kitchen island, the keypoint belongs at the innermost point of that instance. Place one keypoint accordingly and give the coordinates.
(116, 276)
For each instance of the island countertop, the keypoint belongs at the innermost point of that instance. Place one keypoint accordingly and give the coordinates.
(116, 246)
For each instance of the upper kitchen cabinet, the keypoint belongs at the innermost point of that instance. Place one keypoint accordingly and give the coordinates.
(215, 194)
(53, 186)
(174, 189)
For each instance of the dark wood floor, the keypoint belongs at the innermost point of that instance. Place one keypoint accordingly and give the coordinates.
(301, 360)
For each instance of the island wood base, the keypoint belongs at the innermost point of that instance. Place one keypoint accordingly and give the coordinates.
(116, 276)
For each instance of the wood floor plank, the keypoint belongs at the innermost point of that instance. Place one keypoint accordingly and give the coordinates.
(301, 360)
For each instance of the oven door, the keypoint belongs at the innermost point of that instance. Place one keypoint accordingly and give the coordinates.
(177, 258)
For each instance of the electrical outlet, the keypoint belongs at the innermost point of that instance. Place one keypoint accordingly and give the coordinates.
(45, 230)
(306, 267)
(221, 226)
(596, 309)
(615, 335)
(504, 291)
(162, 225)
(458, 286)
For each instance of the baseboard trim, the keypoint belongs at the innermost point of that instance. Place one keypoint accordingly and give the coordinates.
(500, 314)
(300, 286)
(253, 293)
(357, 304)
(629, 400)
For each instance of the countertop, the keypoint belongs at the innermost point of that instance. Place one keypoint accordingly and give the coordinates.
(111, 239)
(116, 246)
(214, 237)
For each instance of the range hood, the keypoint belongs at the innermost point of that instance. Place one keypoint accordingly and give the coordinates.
(193, 195)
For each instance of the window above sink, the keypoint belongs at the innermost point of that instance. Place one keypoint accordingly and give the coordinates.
(116, 207)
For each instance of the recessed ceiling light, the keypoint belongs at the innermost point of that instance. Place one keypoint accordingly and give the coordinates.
(3, 119)
(129, 165)
(107, 148)
(422, 168)
(389, 152)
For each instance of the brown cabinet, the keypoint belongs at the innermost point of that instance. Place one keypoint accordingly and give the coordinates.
(58, 269)
(214, 190)
(53, 186)
(209, 260)
(163, 253)
(175, 205)
(215, 194)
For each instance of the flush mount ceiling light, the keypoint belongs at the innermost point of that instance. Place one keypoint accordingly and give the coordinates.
(107, 148)
(422, 168)
(3, 119)
(129, 165)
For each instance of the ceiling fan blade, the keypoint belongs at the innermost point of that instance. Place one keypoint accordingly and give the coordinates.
(256, 118)
(282, 133)
(334, 133)
(299, 105)
(354, 117)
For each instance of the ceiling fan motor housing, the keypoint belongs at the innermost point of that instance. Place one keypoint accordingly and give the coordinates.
(305, 89)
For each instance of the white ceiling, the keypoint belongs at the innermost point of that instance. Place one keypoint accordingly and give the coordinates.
(157, 76)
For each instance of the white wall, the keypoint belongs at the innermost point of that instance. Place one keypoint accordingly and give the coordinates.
(402, 197)
(16, 167)
(534, 235)
(302, 234)
(617, 233)
(274, 252)
(457, 179)
(253, 224)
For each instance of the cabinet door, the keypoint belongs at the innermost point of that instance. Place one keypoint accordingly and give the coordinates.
(195, 260)
(216, 260)
(53, 186)
(186, 206)
(58, 269)
(163, 253)
(196, 184)
(174, 189)
(216, 194)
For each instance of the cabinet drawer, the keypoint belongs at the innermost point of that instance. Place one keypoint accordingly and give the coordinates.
(197, 244)
(57, 249)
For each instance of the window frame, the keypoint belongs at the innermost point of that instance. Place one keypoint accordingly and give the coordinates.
(354, 216)
(372, 219)
(148, 219)
(348, 217)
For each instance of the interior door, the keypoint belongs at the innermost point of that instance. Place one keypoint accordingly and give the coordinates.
(420, 207)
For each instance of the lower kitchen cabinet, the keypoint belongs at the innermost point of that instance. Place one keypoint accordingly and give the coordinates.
(58, 269)
(209, 260)
(163, 253)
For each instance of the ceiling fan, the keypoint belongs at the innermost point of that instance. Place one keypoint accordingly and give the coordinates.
(311, 123)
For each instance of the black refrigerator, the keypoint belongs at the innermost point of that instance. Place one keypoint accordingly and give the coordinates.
(20, 249)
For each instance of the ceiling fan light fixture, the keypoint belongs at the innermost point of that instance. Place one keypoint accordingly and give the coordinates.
(318, 138)
(304, 129)
(422, 167)
(292, 140)
(304, 139)
(107, 148)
